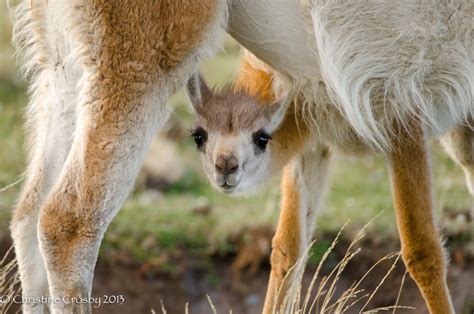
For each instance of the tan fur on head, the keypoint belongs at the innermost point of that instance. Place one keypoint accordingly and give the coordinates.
(229, 112)
(255, 81)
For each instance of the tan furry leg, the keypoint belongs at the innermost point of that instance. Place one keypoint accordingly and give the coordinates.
(286, 242)
(303, 188)
(422, 250)
(97, 177)
(128, 58)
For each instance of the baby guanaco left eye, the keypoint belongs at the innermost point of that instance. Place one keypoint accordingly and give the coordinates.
(261, 139)
(199, 136)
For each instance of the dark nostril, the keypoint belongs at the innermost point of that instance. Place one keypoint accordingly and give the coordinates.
(221, 165)
(226, 164)
(232, 166)
(233, 169)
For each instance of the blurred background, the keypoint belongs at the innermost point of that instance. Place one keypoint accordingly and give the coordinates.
(176, 239)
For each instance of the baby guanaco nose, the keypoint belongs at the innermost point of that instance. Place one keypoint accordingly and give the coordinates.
(226, 164)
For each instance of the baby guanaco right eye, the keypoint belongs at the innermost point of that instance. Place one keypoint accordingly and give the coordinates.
(261, 139)
(199, 136)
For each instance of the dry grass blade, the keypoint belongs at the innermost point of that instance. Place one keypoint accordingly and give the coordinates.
(11, 185)
(293, 293)
(340, 269)
(400, 291)
(386, 257)
(318, 269)
(346, 295)
(387, 308)
(163, 310)
(356, 301)
(9, 281)
(326, 289)
(214, 311)
(382, 281)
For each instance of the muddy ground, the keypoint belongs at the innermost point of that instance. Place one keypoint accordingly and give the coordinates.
(143, 290)
(143, 294)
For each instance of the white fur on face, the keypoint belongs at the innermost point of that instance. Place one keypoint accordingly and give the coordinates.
(254, 164)
(228, 123)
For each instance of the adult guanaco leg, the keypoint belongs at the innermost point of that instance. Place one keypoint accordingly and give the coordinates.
(303, 188)
(49, 146)
(50, 123)
(128, 61)
(459, 143)
(422, 250)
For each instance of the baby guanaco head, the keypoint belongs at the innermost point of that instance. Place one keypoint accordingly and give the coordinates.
(233, 132)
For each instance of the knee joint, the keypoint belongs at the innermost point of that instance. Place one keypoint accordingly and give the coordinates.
(283, 257)
(424, 265)
(58, 226)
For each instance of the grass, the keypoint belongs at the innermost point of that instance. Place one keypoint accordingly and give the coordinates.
(9, 281)
(168, 219)
(321, 295)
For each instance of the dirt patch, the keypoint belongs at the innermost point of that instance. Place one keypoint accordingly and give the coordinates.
(143, 291)
(193, 286)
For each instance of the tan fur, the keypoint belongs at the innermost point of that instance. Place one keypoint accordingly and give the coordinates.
(293, 132)
(121, 61)
(255, 81)
(421, 247)
(168, 32)
(291, 137)
(286, 242)
(217, 106)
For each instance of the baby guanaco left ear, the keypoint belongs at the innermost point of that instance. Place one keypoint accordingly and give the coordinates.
(276, 112)
(197, 91)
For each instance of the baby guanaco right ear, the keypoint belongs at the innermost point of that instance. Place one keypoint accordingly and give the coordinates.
(197, 90)
(277, 111)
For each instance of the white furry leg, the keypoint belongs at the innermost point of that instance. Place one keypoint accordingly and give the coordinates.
(459, 143)
(51, 130)
(313, 170)
(30, 263)
(23, 230)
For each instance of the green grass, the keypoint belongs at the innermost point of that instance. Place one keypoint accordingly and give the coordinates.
(152, 223)
(11, 152)
(361, 189)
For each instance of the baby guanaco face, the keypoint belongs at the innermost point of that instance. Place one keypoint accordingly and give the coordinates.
(233, 133)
